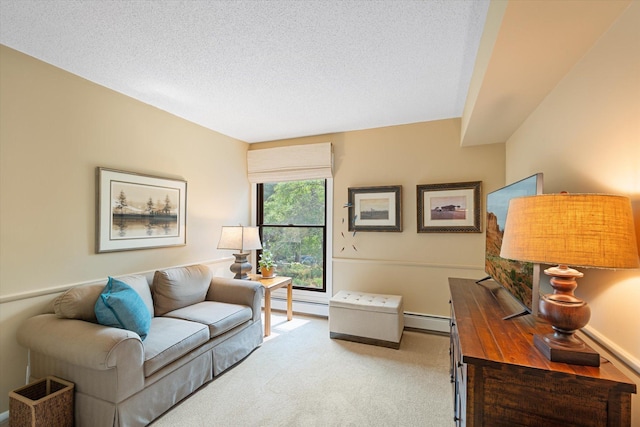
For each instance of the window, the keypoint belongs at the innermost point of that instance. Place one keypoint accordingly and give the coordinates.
(292, 221)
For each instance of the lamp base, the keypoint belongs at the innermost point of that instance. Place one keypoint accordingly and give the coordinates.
(566, 313)
(241, 266)
(572, 350)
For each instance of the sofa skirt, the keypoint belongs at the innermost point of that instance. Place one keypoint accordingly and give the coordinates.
(153, 401)
(233, 350)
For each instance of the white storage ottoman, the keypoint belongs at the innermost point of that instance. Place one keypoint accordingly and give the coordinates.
(367, 318)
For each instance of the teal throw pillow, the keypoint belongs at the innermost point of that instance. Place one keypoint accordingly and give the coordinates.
(120, 306)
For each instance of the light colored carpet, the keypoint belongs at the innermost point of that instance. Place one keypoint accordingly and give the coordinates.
(301, 377)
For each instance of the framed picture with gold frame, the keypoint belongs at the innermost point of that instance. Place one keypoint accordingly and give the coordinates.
(449, 208)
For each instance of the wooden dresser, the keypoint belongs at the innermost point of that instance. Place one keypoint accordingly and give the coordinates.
(501, 379)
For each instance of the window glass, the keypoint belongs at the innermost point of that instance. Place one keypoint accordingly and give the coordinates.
(291, 216)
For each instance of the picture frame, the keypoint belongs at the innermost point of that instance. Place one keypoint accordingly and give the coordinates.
(375, 208)
(449, 208)
(138, 211)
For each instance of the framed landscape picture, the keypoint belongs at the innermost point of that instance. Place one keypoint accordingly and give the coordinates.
(137, 211)
(375, 208)
(449, 208)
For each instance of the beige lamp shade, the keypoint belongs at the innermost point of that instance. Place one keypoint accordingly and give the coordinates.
(581, 230)
(240, 238)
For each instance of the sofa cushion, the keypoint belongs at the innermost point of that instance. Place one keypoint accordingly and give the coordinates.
(179, 287)
(169, 339)
(140, 284)
(120, 306)
(78, 303)
(220, 317)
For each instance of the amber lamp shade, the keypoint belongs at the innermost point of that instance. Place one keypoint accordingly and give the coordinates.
(578, 230)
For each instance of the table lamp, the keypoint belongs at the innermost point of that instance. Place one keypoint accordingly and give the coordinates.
(243, 239)
(581, 230)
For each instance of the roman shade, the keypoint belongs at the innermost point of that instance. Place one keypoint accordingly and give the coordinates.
(292, 163)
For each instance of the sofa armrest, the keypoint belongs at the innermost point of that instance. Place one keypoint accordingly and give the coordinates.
(234, 291)
(81, 343)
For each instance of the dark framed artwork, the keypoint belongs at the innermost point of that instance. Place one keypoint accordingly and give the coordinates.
(449, 208)
(375, 208)
(137, 211)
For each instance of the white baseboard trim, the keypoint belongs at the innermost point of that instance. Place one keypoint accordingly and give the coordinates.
(304, 307)
(427, 322)
(4, 417)
(411, 320)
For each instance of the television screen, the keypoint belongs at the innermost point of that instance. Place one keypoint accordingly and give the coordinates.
(520, 279)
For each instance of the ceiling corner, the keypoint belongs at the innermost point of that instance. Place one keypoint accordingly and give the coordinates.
(526, 49)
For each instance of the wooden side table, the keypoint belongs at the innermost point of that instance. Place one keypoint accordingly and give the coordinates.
(271, 285)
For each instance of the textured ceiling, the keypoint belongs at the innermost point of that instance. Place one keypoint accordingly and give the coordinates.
(264, 70)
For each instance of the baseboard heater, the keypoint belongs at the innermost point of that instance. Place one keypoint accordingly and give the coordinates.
(420, 321)
(426, 322)
(305, 307)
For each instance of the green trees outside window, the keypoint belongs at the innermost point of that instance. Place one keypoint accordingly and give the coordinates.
(291, 216)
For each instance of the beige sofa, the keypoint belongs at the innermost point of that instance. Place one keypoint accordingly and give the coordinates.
(200, 326)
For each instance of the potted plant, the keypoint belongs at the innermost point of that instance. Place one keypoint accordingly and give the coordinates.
(267, 264)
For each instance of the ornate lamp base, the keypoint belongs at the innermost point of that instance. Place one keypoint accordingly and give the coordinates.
(566, 313)
(575, 354)
(241, 266)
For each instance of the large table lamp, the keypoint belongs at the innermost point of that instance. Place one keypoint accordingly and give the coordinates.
(580, 230)
(244, 240)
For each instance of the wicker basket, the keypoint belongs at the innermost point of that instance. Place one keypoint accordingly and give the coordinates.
(47, 402)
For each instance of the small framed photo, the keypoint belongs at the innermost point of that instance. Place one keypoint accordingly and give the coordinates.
(449, 208)
(375, 208)
(136, 211)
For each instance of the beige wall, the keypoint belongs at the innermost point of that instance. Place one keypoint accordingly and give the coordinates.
(55, 129)
(585, 137)
(414, 265)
